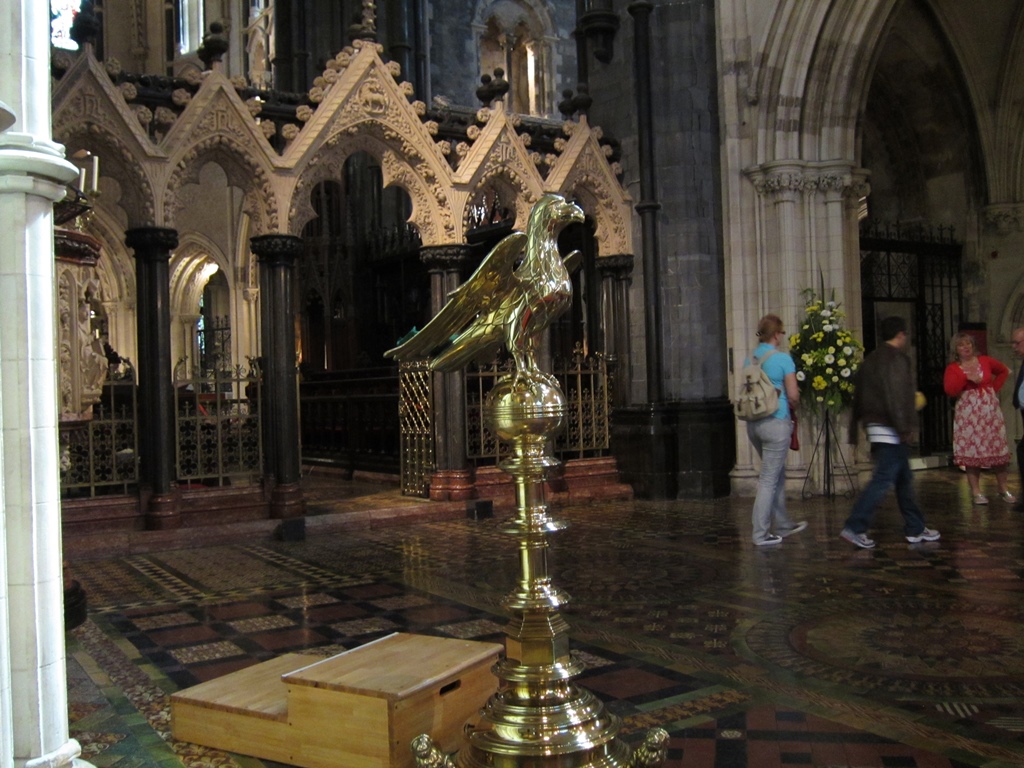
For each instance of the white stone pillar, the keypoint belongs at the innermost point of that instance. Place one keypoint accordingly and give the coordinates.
(33, 680)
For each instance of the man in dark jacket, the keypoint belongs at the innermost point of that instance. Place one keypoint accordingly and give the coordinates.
(883, 401)
(1017, 342)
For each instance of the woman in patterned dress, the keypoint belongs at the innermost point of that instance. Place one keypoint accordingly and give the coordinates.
(979, 431)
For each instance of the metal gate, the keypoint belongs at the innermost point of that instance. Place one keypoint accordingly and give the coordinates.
(915, 272)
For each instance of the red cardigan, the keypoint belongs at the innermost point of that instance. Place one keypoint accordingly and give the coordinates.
(994, 375)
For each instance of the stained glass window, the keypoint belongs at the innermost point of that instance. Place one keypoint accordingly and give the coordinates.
(63, 13)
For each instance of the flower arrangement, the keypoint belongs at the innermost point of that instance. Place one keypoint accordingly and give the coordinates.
(826, 355)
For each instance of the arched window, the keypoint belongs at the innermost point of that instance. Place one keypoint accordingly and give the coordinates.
(514, 36)
(63, 13)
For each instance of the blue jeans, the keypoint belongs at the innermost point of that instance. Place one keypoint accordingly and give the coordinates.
(770, 438)
(892, 468)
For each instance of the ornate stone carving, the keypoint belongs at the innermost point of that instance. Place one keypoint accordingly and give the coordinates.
(1003, 217)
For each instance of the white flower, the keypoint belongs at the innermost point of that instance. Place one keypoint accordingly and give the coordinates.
(820, 399)
(847, 350)
(830, 359)
(800, 375)
(827, 327)
(831, 305)
(845, 373)
(826, 313)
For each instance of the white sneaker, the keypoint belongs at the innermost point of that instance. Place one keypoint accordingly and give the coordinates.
(860, 539)
(797, 527)
(928, 534)
(768, 540)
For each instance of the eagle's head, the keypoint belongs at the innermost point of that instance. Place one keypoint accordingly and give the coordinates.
(551, 213)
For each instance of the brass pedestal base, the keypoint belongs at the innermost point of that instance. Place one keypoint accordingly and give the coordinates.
(539, 717)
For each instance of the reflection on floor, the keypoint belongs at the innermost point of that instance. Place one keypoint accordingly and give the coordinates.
(813, 653)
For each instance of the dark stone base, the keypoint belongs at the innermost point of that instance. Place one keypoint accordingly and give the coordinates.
(676, 450)
(452, 485)
(163, 511)
(286, 501)
(479, 509)
(75, 606)
(292, 529)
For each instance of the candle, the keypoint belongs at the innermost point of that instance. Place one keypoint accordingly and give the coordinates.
(81, 179)
(95, 173)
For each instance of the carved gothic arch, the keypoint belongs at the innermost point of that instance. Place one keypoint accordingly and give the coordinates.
(243, 171)
(117, 162)
(116, 265)
(191, 266)
(539, 9)
(431, 208)
(814, 85)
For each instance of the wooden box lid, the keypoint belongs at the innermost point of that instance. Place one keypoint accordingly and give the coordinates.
(395, 667)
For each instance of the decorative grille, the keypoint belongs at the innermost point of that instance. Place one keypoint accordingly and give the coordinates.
(416, 420)
(100, 456)
(219, 440)
(586, 384)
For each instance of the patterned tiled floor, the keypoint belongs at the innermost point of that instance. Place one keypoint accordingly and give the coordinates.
(810, 654)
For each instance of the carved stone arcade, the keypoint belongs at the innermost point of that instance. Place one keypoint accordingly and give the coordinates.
(157, 169)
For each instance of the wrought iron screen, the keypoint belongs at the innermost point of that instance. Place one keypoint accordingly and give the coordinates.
(416, 425)
(219, 440)
(350, 418)
(919, 270)
(586, 384)
(100, 457)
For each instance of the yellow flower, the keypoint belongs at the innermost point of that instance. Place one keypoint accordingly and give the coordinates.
(819, 383)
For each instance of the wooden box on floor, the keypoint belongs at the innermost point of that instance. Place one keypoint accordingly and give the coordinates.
(359, 709)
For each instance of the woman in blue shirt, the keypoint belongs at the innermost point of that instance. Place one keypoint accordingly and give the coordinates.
(770, 438)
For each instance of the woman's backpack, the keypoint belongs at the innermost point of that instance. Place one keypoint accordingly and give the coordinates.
(757, 397)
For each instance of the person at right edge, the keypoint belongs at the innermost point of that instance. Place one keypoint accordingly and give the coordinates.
(883, 402)
(1017, 342)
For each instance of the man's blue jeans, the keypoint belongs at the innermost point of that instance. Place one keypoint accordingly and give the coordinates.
(892, 468)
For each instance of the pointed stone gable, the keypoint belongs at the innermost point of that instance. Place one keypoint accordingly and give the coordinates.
(358, 104)
(217, 110)
(500, 151)
(582, 171)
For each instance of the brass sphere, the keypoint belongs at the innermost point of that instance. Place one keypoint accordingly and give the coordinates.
(525, 409)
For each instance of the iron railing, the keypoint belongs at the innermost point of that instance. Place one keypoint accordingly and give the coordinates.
(416, 422)
(100, 457)
(351, 419)
(587, 386)
(219, 439)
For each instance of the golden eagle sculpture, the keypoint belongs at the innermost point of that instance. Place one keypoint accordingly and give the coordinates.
(520, 287)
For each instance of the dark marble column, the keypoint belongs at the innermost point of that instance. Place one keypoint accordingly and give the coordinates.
(156, 419)
(616, 276)
(453, 479)
(277, 255)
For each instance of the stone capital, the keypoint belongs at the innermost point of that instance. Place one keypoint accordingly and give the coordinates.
(618, 266)
(276, 250)
(445, 258)
(154, 243)
(1002, 218)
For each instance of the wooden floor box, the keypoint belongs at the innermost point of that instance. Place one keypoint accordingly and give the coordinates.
(359, 709)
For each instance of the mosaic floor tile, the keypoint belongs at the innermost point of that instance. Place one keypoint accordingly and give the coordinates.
(813, 653)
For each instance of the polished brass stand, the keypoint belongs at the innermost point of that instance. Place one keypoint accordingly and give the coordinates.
(539, 718)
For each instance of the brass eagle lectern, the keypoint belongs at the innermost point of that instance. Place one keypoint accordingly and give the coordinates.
(539, 716)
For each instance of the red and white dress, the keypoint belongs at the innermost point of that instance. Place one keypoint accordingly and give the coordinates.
(979, 430)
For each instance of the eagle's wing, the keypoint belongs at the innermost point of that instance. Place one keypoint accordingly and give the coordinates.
(478, 296)
(572, 261)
